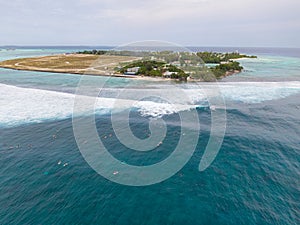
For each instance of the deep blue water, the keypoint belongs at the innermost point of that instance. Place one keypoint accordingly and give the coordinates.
(255, 178)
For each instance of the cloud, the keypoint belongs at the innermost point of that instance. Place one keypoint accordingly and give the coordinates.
(201, 22)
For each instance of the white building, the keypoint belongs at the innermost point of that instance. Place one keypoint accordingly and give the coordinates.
(132, 71)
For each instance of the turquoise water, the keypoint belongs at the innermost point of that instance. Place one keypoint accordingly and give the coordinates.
(253, 180)
(269, 68)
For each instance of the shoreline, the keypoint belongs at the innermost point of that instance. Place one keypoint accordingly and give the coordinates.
(137, 77)
(46, 70)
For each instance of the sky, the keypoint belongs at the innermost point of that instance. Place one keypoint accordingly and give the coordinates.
(236, 23)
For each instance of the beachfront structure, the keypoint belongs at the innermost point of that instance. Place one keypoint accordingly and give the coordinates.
(168, 74)
(132, 71)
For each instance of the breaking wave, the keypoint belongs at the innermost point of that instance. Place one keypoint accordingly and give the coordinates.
(24, 105)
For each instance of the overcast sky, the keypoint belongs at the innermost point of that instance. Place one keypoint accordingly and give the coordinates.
(248, 23)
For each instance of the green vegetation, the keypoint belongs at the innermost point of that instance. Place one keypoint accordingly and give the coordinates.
(183, 65)
(155, 69)
(160, 69)
(226, 68)
(145, 66)
(214, 57)
(187, 61)
(226, 65)
(170, 56)
(93, 52)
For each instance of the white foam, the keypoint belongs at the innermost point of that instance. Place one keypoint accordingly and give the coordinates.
(257, 92)
(157, 110)
(24, 105)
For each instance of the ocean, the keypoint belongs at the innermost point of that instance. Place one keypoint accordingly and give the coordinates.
(254, 179)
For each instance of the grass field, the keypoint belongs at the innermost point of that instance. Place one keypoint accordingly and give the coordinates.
(70, 63)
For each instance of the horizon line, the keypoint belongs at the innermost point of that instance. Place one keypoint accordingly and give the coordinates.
(113, 46)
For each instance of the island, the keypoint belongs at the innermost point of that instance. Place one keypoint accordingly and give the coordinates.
(181, 66)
